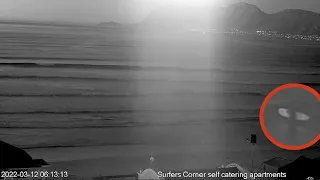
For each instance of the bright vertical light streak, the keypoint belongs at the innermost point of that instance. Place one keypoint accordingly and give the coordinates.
(185, 2)
(176, 50)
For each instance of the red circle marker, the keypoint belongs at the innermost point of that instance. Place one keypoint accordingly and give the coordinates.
(264, 104)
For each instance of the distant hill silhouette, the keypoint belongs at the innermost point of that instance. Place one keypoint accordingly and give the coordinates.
(110, 24)
(241, 16)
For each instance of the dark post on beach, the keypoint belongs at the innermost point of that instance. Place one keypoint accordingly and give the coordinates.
(253, 141)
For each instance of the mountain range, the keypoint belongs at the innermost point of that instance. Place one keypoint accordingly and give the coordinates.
(241, 16)
(110, 24)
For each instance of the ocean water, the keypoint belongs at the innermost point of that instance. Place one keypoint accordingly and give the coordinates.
(83, 87)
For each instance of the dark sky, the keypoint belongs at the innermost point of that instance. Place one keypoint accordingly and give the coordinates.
(122, 10)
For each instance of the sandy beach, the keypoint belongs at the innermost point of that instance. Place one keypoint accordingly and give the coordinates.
(177, 159)
(176, 153)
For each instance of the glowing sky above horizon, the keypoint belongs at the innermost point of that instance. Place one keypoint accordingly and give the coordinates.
(123, 10)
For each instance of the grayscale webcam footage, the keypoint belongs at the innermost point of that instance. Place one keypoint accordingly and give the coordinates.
(159, 89)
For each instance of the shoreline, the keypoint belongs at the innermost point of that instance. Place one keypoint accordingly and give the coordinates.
(128, 160)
